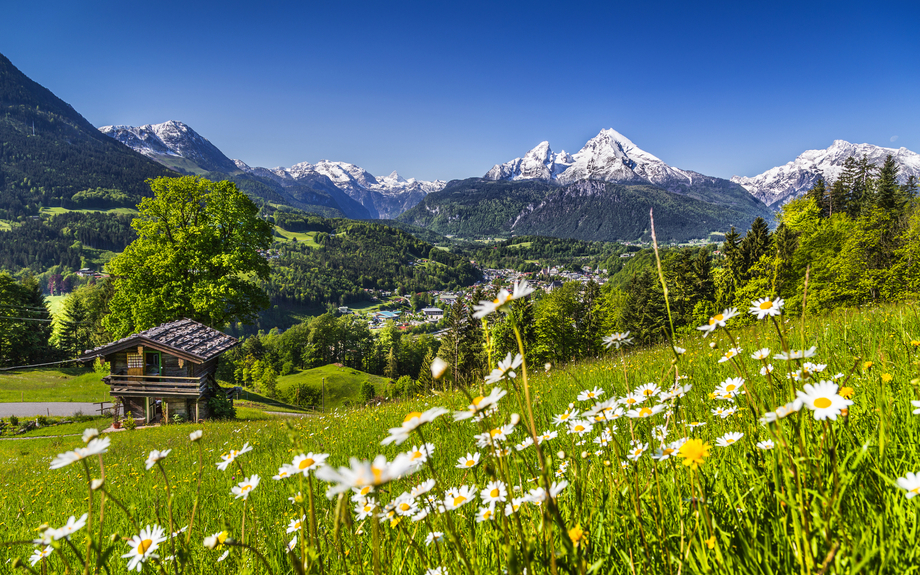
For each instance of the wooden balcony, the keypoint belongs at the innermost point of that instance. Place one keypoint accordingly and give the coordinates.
(156, 385)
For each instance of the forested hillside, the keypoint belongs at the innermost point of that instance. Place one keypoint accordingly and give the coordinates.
(587, 210)
(49, 152)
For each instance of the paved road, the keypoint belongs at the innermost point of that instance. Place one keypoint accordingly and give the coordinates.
(59, 408)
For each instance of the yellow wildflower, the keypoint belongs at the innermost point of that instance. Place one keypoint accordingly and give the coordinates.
(576, 534)
(711, 542)
(867, 366)
(846, 392)
(694, 452)
(886, 377)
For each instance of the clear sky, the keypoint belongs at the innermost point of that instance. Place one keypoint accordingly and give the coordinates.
(446, 90)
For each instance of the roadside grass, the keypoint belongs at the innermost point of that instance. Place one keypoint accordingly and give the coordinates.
(55, 304)
(824, 500)
(343, 384)
(100, 422)
(59, 384)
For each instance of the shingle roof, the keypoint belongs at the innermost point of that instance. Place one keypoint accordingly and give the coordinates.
(184, 336)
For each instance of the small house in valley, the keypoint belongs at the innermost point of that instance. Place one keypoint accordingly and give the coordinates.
(166, 370)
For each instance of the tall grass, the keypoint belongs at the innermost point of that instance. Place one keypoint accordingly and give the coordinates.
(825, 499)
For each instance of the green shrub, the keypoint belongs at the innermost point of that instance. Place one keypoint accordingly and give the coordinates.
(129, 422)
(41, 420)
(14, 421)
(221, 407)
(404, 387)
(367, 391)
(178, 418)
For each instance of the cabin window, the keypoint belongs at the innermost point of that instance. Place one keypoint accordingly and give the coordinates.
(135, 360)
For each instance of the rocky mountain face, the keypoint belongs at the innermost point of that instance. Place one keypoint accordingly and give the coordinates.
(173, 144)
(612, 157)
(783, 183)
(383, 198)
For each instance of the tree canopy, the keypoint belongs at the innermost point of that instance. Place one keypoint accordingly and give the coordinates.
(196, 255)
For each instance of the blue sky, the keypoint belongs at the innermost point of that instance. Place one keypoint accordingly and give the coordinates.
(436, 90)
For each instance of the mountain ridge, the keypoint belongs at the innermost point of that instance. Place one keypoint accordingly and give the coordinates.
(781, 184)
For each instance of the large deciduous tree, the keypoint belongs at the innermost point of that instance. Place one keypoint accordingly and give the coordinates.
(196, 256)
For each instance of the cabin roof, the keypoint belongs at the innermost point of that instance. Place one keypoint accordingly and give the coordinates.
(184, 338)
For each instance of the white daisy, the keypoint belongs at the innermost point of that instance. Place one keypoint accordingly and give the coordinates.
(309, 462)
(718, 321)
(40, 554)
(766, 444)
(143, 546)
(456, 497)
(230, 457)
(480, 404)
(505, 369)
(797, 353)
(766, 307)
(823, 399)
(763, 353)
(617, 339)
(361, 474)
(245, 487)
(411, 422)
(470, 460)
(911, 484)
(590, 394)
(156, 456)
(73, 525)
(729, 439)
(495, 492)
(732, 352)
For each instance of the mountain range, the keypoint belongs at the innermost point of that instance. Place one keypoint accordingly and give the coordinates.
(181, 148)
(51, 156)
(783, 183)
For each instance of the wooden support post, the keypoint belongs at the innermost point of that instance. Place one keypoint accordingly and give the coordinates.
(147, 410)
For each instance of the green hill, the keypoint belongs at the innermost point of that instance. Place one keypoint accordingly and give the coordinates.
(343, 384)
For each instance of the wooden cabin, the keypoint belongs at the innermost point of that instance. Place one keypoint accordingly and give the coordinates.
(174, 363)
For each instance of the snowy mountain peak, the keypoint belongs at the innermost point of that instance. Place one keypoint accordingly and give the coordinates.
(170, 143)
(783, 183)
(608, 156)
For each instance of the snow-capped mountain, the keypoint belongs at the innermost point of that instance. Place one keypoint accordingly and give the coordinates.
(781, 184)
(384, 198)
(173, 144)
(612, 157)
(179, 147)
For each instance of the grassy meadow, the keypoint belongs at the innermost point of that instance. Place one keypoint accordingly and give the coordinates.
(61, 384)
(824, 499)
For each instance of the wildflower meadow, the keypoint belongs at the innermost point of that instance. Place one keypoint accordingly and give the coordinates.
(759, 443)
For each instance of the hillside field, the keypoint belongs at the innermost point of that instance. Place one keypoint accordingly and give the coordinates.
(343, 384)
(826, 498)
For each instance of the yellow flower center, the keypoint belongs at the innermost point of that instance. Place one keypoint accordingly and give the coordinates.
(579, 428)
(412, 415)
(366, 490)
(470, 462)
(476, 400)
(495, 432)
(404, 507)
(306, 463)
(143, 546)
(246, 488)
(497, 301)
(766, 305)
(730, 387)
(822, 403)
(458, 500)
(729, 440)
(645, 412)
(667, 451)
(368, 508)
(378, 474)
(494, 493)
(630, 400)
(416, 455)
(915, 490)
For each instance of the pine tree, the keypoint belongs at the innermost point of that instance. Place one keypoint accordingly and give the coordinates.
(755, 244)
(819, 194)
(838, 200)
(889, 195)
(425, 381)
(909, 188)
(704, 288)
